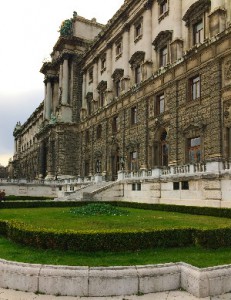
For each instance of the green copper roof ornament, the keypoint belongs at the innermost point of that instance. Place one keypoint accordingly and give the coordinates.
(66, 28)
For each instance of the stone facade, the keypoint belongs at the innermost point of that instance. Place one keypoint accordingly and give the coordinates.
(149, 93)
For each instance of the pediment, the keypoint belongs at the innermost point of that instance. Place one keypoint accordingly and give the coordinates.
(197, 8)
(162, 39)
(117, 74)
(137, 57)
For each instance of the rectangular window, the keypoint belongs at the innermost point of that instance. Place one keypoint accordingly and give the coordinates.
(103, 63)
(176, 186)
(118, 49)
(136, 186)
(115, 124)
(118, 88)
(87, 137)
(86, 168)
(163, 56)
(101, 98)
(195, 88)
(163, 7)
(184, 185)
(133, 161)
(138, 31)
(133, 115)
(90, 74)
(89, 106)
(160, 104)
(194, 150)
(138, 74)
(99, 131)
(198, 32)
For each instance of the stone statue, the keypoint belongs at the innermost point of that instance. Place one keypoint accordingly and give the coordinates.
(66, 28)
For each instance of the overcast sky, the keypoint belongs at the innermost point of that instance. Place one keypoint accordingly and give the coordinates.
(29, 30)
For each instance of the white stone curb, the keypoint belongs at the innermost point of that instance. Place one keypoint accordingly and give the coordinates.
(115, 281)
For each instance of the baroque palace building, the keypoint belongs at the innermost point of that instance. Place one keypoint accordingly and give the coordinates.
(146, 96)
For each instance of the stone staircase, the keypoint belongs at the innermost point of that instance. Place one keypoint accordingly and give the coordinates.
(87, 193)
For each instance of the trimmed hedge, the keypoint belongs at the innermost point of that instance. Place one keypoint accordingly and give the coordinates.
(116, 240)
(22, 198)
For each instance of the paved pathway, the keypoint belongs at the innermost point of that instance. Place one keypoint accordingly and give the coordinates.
(175, 295)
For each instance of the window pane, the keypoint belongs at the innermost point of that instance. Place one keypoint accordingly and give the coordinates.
(163, 56)
(194, 151)
(198, 32)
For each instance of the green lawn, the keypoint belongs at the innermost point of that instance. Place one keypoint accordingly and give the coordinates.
(61, 218)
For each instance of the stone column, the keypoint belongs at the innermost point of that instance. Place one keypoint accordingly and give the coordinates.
(45, 95)
(48, 100)
(15, 147)
(109, 73)
(147, 32)
(84, 103)
(126, 57)
(147, 36)
(42, 160)
(65, 81)
(60, 82)
(95, 80)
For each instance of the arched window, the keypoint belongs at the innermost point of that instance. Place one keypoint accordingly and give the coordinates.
(160, 149)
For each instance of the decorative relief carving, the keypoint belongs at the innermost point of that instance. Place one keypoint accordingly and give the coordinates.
(227, 70)
(227, 111)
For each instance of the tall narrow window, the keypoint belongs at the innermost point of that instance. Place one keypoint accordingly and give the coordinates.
(138, 74)
(115, 124)
(198, 32)
(101, 98)
(194, 150)
(133, 115)
(163, 56)
(87, 137)
(164, 149)
(118, 87)
(103, 63)
(134, 161)
(118, 49)
(163, 6)
(90, 74)
(160, 104)
(99, 131)
(194, 88)
(89, 106)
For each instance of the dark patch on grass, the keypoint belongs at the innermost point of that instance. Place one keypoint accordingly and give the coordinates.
(98, 209)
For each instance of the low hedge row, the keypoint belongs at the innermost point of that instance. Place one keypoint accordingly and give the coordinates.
(28, 198)
(114, 241)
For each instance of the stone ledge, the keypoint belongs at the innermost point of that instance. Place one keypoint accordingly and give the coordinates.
(115, 281)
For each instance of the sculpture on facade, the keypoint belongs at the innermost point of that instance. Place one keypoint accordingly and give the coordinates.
(66, 28)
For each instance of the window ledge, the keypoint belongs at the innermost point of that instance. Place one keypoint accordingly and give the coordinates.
(137, 38)
(118, 55)
(103, 70)
(163, 15)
